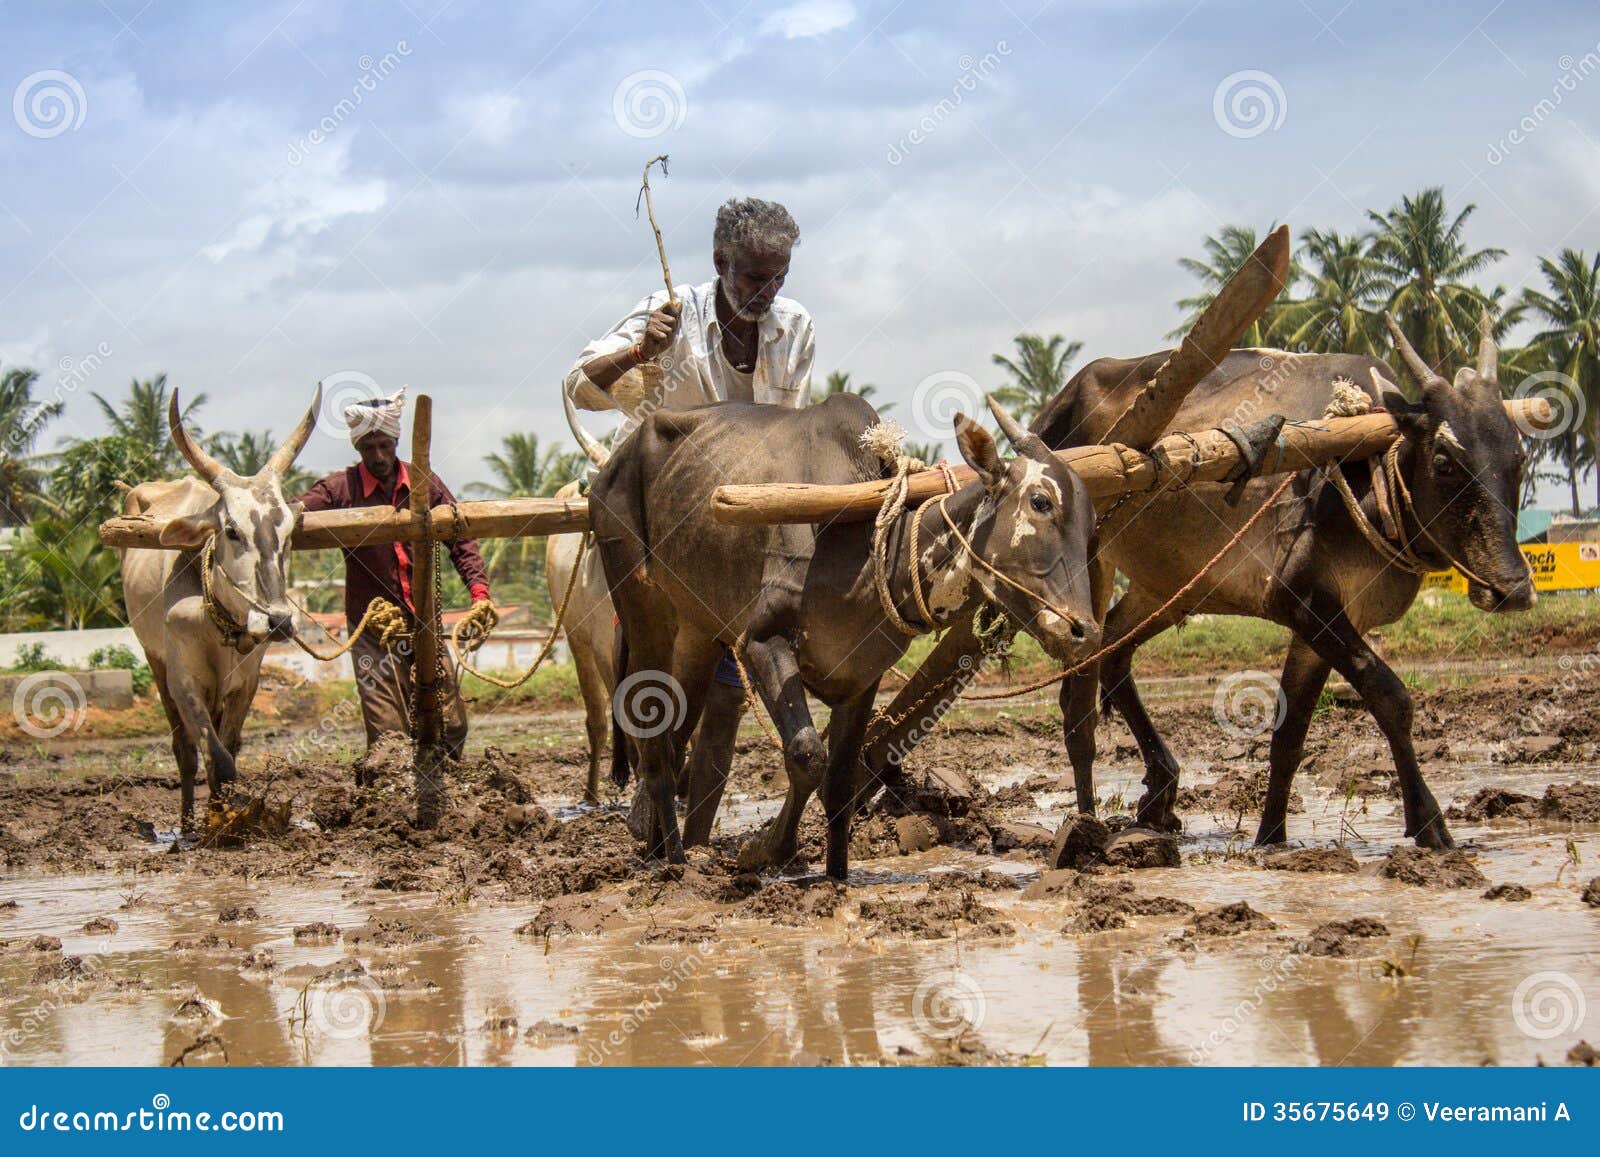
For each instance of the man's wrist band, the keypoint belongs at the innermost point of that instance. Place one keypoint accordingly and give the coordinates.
(638, 353)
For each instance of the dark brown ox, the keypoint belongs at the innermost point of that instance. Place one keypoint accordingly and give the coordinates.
(206, 678)
(1307, 566)
(801, 602)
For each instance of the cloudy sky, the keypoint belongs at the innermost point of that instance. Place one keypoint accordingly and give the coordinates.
(440, 193)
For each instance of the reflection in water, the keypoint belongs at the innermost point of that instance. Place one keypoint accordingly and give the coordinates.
(759, 994)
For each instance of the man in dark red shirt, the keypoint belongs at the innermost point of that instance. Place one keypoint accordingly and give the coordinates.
(383, 570)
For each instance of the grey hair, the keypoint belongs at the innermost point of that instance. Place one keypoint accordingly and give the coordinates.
(749, 223)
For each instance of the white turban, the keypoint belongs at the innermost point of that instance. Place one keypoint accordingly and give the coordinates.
(381, 415)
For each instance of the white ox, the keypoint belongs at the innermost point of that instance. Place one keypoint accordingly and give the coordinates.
(206, 671)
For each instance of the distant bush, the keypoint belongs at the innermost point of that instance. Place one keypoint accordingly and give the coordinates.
(33, 657)
(120, 657)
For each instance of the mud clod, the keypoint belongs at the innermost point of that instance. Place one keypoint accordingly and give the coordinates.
(317, 932)
(1492, 803)
(233, 913)
(1508, 892)
(1427, 868)
(1077, 842)
(1591, 893)
(99, 926)
(945, 913)
(548, 1033)
(1340, 860)
(1577, 803)
(1230, 920)
(794, 902)
(1142, 848)
(1341, 937)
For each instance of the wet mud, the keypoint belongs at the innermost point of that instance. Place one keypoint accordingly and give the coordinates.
(986, 921)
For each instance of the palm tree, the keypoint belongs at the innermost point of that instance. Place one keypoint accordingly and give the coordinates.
(522, 469)
(1037, 375)
(1571, 340)
(74, 579)
(1419, 251)
(142, 418)
(1342, 310)
(22, 417)
(839, 383)
(83, 476)
(1226, 254)
(248, 453)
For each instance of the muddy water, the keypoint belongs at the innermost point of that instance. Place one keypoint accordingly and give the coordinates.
(1458, 979)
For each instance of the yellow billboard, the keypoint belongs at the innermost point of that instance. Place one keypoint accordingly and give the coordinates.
(1560, 566)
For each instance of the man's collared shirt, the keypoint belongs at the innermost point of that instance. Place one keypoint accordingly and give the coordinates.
(384, 569)
(693, 370)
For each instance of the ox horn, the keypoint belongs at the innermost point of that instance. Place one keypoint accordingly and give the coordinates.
(597, 453)
(204, 464)
(1237, 305)
(1022, 440)
(283, 457)
(1421, 370)
(1488, 352)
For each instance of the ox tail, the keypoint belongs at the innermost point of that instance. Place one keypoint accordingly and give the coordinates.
(619, 738)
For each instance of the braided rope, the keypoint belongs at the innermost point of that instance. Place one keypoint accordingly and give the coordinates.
(482, 621)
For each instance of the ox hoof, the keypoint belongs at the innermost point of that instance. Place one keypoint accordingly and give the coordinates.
(763, 852)
(1436, 836)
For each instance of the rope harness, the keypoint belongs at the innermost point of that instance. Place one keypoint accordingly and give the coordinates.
(1393, 498)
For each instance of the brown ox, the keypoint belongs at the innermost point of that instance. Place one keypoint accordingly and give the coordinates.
(1308, 567)
(801, 602)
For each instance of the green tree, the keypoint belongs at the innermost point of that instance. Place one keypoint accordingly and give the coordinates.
(142, 418)
(1570, 340)
(1038, 373)
(84, 475)
(1226, 253)
(1342, 308)
(76, 582)
(838, 382)
(1420, 251)
(522, 468)
(22, 417)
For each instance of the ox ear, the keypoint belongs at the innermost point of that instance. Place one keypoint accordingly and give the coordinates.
(189, 532)
(1389, 395)
(978, 448)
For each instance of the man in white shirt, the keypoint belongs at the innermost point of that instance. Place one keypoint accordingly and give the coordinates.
(730, 339)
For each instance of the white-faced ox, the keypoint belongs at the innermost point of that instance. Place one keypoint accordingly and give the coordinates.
(206, 656)
(801, 603)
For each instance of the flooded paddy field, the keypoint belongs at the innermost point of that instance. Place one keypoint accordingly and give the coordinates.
(527, 930)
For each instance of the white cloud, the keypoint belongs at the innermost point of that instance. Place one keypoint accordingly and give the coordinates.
(302, 201)
(809, 18)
